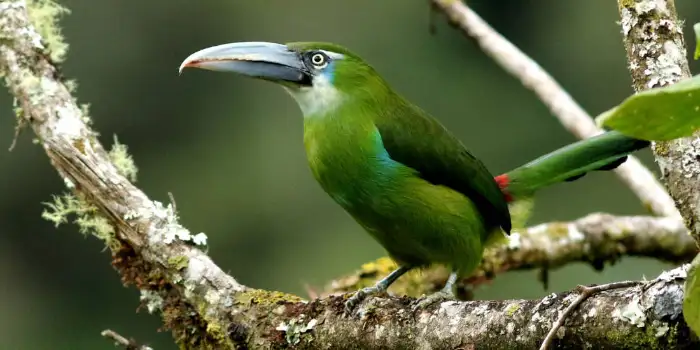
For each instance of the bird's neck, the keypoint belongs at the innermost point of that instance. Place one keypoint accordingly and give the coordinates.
(342, 137)
(345, 151)
(337, 123)
(340, 134)
(330, 97)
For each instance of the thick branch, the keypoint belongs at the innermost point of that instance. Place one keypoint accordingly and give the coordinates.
(596, 239)
(181, 276)
(653, 39)
(574, 118)
(609, 320)
(206, 308)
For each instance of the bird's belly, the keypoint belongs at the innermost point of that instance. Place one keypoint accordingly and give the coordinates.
(418, 223)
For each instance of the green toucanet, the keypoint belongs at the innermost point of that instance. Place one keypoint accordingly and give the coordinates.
(397, 171)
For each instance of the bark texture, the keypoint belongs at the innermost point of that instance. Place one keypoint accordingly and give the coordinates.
(653, 38)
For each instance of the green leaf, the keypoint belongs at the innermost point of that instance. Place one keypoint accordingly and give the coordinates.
(658, 114)
(691, 299)
(696, 27)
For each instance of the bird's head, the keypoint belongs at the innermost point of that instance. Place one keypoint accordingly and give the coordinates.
(320, 76)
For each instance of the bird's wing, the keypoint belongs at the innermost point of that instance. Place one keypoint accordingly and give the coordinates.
(413, 138)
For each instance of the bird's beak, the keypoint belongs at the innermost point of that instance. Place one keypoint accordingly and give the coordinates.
(262, 60)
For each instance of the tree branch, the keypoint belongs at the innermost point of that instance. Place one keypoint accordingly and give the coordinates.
(648, 315)
(639, 179)
(653, 37)
(206, 308)
(181, 279)
(121, 341)
(596, 239)
(585, 293)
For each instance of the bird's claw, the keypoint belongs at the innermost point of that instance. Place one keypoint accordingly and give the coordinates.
(360, 295)
(440, 296)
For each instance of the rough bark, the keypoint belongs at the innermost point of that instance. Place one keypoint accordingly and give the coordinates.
(653, 38)
(206, 308)
(639, 317)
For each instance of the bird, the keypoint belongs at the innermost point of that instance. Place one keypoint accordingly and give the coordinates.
(411, 184)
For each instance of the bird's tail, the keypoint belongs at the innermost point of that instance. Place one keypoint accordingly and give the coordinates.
(602, 152)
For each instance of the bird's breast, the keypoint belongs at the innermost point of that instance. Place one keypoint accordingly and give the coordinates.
(350, 165)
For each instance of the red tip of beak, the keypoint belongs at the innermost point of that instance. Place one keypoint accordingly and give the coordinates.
(188, 64)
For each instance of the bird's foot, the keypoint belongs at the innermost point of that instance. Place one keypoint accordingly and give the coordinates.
(441, 296)
(360, 295)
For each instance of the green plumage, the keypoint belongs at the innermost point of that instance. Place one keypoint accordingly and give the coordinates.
(601, 152)
(401, 175)
(401, 188)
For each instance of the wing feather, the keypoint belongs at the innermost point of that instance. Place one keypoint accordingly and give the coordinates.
(416, 140)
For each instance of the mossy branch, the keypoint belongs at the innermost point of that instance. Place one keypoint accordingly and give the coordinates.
(208, 309)
(597, 239)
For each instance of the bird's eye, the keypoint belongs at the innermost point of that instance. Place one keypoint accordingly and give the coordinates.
(319, 60)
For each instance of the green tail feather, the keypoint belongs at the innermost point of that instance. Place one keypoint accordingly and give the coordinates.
(602, 152)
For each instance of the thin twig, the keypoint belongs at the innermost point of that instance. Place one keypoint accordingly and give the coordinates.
(120, 340)
(311, 291)
(21, 123)
(574, 118)
(172, 201)
(585, 293)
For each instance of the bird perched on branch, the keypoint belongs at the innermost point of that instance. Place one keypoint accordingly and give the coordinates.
(409, 182)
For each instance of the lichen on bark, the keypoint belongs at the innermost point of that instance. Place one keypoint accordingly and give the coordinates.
(653, 38)
(597, 239)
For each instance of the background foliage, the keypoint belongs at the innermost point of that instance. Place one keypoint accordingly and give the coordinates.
(230, 148)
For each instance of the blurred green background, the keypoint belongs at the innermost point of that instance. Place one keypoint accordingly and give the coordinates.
(230, 149)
